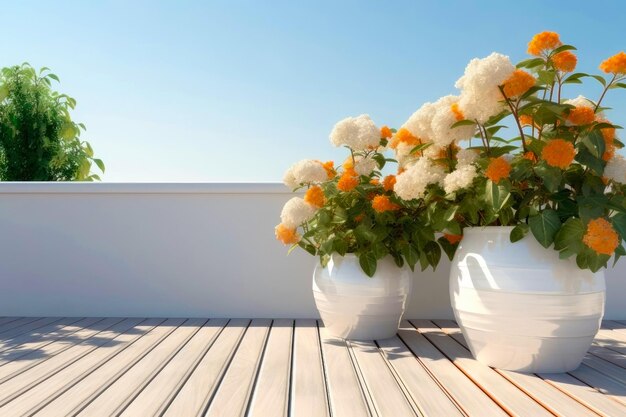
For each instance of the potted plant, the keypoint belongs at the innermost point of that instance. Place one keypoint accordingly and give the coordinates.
(39, 141)
(367, 239)
(542, 212)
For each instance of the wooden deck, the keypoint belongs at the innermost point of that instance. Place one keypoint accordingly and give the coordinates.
(263, 368)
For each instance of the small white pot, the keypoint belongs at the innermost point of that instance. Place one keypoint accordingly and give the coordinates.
(355, 306)
(520, 307)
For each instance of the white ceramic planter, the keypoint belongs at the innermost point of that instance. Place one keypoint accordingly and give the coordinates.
(519, 306)
(355, 306)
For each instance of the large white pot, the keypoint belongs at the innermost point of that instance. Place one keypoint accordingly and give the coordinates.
(355, 306)
(520, 307)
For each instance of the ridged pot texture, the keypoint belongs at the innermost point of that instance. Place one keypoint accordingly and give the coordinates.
(519, 306)
(357, 307)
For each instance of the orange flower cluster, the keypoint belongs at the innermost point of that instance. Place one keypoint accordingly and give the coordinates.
(615, 64)
(544, 41)
(382, 203)
(458, 114)
(581, 115)
(565, 61)
(359, 218)
(385, 132)
(526, 120)
(530, 155)
(329, 166)
(404, 136)
(518, 83)
(498, 169)
(348, 180)
(375, 181)
(286, 235)
(601, 237)
(315, 196)
(388, 182)
(453, 239)
(558, 153)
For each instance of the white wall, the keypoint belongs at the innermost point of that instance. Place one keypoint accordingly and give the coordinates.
(167, 250)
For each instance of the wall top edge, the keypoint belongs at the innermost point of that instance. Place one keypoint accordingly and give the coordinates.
(142, 188)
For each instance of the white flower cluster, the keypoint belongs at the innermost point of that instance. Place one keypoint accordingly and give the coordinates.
(419, 124)
(295, 212)
(481, 97)
(466, 157)
(412, 183)
(460, 178)
(581, 101)
(358, 133)
(364, 166)
(464, 174)
(307, 171)
(615, 169)
(443, 118)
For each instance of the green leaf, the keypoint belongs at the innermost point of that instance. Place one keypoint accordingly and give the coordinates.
(591, 207)
(619, 223)
(544, 226)
(447, 247)
(600, 79)
(4, 92)
(497, 195)
(594, 142)
(569, 239)
(410, 255)
(531, 63)
(519, 232)
(340, 246)
(587, 159)
(367, 261)
(619, 252)
(551, 176)
(563, 48)
(433, 254)
(421, 147)
(463, 123)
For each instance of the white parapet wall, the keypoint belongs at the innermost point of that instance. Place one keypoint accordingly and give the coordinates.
(171, 250)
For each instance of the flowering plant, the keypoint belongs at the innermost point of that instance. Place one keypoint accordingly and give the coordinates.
(558, 177)
(353, 209)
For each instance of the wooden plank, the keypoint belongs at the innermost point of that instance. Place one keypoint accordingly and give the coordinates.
(41, 334)
(17, 323)
(38, 396)
(30, 329)
(507, 395)
(344, 389)
(385, 393)
(155, 397)
(194, 396)
(31, 353)
(271, 392)
(427, 395)
(586, 395)
(601, 382)
(79, 395)
(118, 395)
(606, 368)
(233, 393)
(550, 397)
(608, 355)
(473, 401)
(14, 385)
(308, 389)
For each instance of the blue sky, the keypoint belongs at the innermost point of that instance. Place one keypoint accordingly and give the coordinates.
(239, 90)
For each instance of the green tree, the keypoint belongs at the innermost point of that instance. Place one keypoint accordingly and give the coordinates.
(38, 139)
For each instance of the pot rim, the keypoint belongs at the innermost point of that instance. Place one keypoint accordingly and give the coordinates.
(487, 229)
